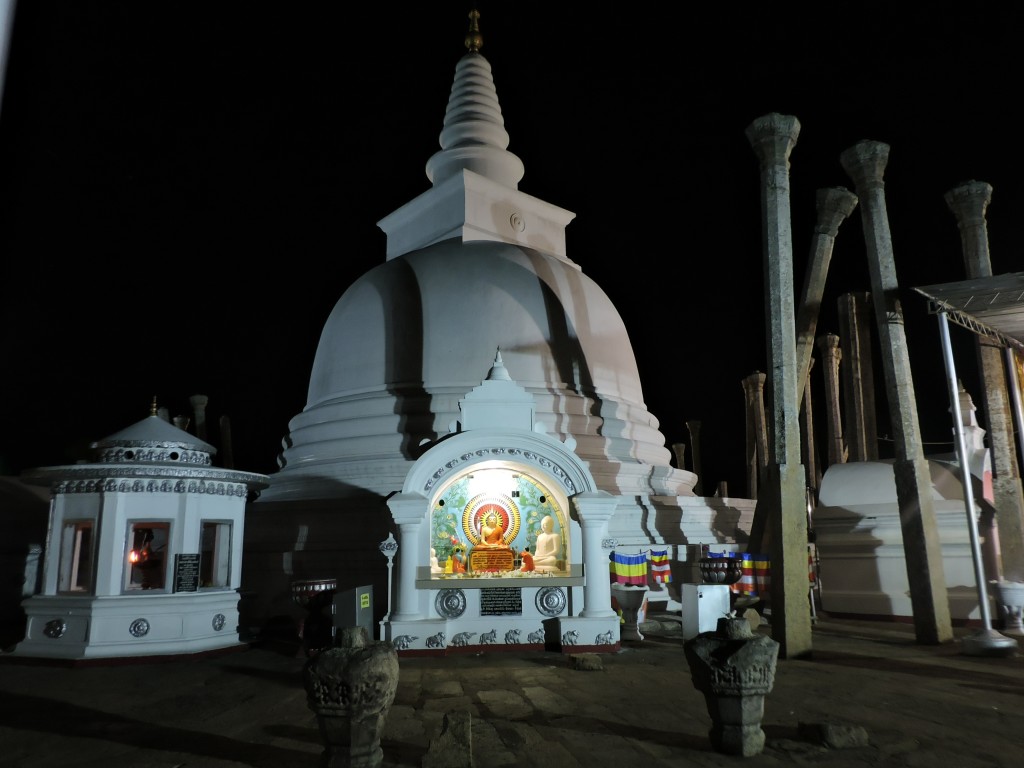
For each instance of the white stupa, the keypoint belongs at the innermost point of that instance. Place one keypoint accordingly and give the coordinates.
(472, 265)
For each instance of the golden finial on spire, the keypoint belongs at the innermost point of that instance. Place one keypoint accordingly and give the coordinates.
(153, 408)
(474, 40)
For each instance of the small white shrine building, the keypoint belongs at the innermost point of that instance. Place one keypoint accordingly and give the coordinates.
(144, 550)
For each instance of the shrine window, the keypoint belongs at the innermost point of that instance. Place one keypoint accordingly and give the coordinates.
(146, 566)
(215, 555)
(77, 554)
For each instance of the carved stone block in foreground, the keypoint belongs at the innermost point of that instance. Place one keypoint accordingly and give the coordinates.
(351, 687)
(735, 669)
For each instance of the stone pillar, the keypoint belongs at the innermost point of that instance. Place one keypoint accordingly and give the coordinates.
(784, 517)
(808, 450)
(865, 163)
(834, 205)
(679, 451)
(858, 377)
(831, 355)
(694, 426)
(757, 437)
(969, 202)
(409, 511)
(198, 403)
(594, 510)
(974, 441)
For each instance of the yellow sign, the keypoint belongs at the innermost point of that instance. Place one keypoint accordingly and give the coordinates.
(364, 600)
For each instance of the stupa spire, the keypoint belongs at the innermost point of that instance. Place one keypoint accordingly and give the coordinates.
(474, 137)
(474, 40)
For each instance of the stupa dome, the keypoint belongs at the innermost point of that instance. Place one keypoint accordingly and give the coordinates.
(473, 265)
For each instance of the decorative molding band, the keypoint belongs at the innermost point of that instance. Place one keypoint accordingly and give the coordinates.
(517, 454)
(143, 454)
(150, 485)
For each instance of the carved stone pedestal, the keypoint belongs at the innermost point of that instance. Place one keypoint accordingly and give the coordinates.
(631, 600)
(1010, 597)
(735, 669)
(351, 687)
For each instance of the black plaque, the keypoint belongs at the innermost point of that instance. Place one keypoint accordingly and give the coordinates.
(501, 601)
(186, 573)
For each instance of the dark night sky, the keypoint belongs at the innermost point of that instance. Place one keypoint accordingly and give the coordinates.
(188, 188)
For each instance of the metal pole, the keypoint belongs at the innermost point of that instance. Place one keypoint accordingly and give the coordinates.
(986, 641)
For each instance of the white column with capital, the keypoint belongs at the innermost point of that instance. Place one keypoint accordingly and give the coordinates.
(594, 511)
(409, 511)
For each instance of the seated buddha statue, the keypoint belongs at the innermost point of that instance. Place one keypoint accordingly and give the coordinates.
(492, 532)
(549, 546)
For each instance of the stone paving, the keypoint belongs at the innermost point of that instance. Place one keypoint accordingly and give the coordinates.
(867, 696)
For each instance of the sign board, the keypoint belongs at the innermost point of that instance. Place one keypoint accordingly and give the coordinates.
(501, 601)
(186, 573)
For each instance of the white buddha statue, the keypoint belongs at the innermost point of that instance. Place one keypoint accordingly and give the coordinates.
(549, 546)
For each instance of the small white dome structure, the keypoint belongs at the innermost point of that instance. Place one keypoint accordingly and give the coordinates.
(144, 554)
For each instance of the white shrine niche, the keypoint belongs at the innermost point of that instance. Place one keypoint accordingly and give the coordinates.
(488, 519)
(471, 516)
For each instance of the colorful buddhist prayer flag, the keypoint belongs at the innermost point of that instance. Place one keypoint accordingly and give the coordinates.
(629, 569)
(746, 585)
(660, 568)
(762, 574)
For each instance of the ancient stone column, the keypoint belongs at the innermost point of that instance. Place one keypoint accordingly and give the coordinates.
(198, 403)
(974, 441)
(757, 437)
(858, 377)
(831, 355)
(772, 138)
(679, 451)
(694, 426)
(834, 205)
(808, 451)
(969, 202)
(865, 163)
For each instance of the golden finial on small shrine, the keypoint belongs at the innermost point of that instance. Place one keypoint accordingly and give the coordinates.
(474, 40)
